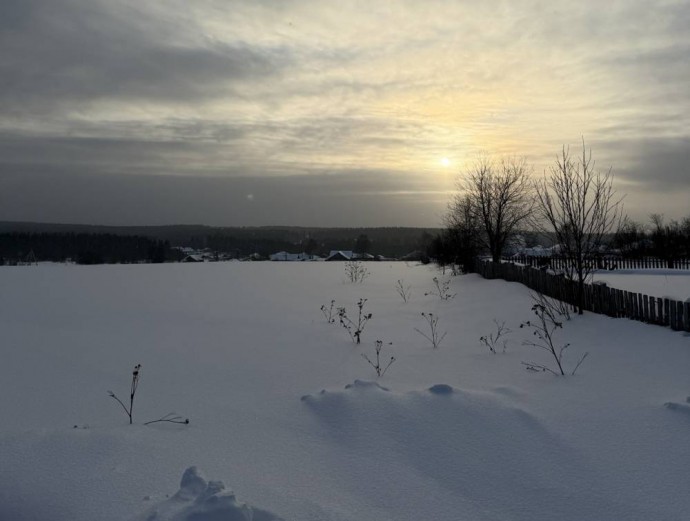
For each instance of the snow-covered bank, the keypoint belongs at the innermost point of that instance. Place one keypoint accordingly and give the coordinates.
(447, 434)
(673, 284)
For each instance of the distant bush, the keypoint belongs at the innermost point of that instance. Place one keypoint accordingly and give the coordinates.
(356, 272)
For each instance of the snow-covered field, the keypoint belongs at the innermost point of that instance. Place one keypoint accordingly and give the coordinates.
(289, 416)
(674, 284)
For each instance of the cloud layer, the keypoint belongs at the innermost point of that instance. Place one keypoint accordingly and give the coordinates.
(329, 103)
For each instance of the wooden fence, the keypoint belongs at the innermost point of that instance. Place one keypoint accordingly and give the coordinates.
(559, 263)
(599, 298)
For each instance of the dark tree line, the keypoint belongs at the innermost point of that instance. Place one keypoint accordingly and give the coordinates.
(669, 241)
(82, 248)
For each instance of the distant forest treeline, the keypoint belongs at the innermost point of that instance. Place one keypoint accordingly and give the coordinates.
(83, 244)
(82, 248)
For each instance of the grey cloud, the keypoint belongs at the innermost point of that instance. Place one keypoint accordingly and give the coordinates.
(658, 164)
(81, 51)
(180, 146)
(352, 198)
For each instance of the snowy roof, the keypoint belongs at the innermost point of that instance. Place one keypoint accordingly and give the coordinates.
(340, 255)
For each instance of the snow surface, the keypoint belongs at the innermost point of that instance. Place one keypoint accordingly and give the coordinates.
(284, 409)
(663, 283)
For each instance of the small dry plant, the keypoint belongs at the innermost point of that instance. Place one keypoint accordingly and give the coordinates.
(441, 290)
(543, 330)
(558, 307)
(329, 312)
(355, 328)
(404, 291)
(378, 367)
(356, 272)
(495, 340)
(434, 336)
(136, 373)
(132, 392)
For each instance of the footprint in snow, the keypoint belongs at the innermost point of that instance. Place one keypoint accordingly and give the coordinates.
(202, 500)
(680, 407)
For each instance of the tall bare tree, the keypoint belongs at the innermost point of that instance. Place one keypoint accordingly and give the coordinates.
(499, 196)
(578, 204)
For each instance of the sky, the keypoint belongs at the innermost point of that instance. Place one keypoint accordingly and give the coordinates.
(315, 113)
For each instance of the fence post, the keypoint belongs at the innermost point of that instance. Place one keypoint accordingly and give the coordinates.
(679, 316)
(667, 312)
(674, 316)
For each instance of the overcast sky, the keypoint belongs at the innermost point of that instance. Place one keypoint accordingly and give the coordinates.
(347, 113)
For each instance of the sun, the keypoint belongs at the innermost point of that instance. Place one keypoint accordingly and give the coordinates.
(445, 161)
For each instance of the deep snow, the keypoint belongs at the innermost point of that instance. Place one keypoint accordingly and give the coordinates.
(285, 411)
(664, 283)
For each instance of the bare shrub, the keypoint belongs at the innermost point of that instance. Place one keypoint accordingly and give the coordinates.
(356, 272)
(558, 307)
(132, 393)
(404, 291)
(355, 328)
(136, 373)
(543, 331)
(434, 336)
(329, 312)
(441, 290)
(494, 340)
(378, 367)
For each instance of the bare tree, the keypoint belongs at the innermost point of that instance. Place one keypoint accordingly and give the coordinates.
(499, 197)
(458, 244)
(580, 207)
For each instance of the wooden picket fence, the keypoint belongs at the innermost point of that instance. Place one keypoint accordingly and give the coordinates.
(644, 263)
(599, 298)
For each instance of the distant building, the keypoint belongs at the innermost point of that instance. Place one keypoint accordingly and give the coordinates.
(293, 257)
(346, 255)
(339, 255)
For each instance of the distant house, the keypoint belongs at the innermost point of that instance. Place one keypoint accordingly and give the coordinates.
(293, 257)
(339, 255)
(193, 258)
(347, 255)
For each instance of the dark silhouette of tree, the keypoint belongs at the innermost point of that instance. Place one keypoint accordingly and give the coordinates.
(670, 241)
(579, 206)
(499, 195)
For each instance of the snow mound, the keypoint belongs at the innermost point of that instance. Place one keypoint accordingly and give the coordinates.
(441, 389)
(202, 500)
(472, 444)
(680, 407)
